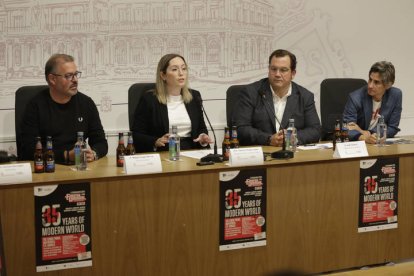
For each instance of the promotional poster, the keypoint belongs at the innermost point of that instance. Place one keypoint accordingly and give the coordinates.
(242, 209)
(378, 195)
(2, 259)
(63, 226)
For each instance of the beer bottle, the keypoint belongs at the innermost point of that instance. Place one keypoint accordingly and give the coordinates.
(226, 144)
(130, 149)
(337, 134)
(120, 150)
(49, 156)
(39, 165)
(234, 142)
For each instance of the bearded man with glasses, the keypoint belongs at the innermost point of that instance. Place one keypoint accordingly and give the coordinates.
(60, 111)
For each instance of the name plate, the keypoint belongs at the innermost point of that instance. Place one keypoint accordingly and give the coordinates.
(141, 164)
(350, 149)
(15, 173)
(246, 156)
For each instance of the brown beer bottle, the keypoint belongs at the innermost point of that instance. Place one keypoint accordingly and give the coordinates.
(38, 162)
(130, 149)
(226, 144)
(234, 142)
(120, 151)
(49, 156)
(337, 134)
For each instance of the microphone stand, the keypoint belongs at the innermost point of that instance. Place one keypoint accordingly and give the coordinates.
(211, 157)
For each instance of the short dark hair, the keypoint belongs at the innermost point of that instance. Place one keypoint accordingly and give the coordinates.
(385, 69)
(283, 53)
(54, 60)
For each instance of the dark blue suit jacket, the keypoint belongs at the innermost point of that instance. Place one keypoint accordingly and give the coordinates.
(151, 121)
(358, 109)
(256, 121)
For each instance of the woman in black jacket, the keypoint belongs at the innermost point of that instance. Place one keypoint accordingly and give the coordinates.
(171, 103)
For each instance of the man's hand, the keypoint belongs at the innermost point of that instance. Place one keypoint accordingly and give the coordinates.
(276, 139)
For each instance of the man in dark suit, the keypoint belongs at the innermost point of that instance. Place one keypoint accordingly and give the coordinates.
(265, 106)
(379, 97)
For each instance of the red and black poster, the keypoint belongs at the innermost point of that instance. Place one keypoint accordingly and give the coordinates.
(242, 209)
(2, 259)
(378, 194)
(63, 226)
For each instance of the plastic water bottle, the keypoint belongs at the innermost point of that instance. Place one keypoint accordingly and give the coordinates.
(381, 131)
(291, 136)
(80, 153)
(174, 144)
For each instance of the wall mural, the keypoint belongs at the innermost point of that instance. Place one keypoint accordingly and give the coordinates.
(119, 42)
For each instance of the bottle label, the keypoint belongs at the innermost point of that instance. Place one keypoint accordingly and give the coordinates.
(77, 155)
(174, 149)
(39, 165)
(120, 161)
(50, 165)
(226, 153)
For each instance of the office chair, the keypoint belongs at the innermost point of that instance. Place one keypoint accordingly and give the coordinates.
(232, 98)
(22, 97)
(334, 94)
(135, 92)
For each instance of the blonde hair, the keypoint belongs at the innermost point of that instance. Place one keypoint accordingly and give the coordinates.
(160, 85)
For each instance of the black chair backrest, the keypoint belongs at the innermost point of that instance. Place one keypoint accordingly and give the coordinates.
(134, 95)
(22, 97)
(232, 98)
(334, 94)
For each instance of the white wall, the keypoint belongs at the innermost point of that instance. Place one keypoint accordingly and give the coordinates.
(117, 45)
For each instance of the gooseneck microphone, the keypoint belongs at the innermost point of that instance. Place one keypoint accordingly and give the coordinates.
(267, 106)
(211, 157)
(283, 153)
(5, 157)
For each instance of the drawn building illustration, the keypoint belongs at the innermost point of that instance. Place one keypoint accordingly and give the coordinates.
(116, 39)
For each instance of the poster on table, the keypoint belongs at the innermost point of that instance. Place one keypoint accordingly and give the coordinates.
(2, 259)
(242, 209)
(378, 195)
(63, 226)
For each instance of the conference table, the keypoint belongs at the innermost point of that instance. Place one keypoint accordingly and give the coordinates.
(168, 223)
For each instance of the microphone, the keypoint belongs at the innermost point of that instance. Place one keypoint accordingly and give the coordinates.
(283, 153)
(211, 157)
(263, 95)
(5, 157)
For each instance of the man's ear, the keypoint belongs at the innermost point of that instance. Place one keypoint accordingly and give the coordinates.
(51, 79)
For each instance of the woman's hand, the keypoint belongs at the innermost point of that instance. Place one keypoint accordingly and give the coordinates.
(162, 140)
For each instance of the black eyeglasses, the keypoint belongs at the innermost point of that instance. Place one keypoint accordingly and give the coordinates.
(70, 76)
